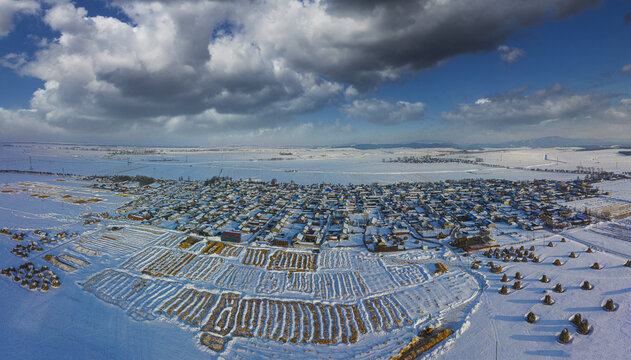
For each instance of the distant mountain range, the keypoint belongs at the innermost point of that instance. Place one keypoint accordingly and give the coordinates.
(544, 142)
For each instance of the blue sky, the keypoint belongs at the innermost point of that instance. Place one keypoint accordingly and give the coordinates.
(317, 73)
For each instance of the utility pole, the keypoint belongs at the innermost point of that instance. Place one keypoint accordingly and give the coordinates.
(495, 349)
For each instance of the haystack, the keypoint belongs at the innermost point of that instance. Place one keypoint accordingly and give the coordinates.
(531, 317)
(610, 306)
(583, 328)
(577, 319)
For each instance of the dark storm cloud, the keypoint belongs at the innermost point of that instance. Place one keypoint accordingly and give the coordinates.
(217, 65)
(413, 35)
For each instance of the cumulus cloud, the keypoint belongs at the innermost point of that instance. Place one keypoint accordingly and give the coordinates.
(626, 68)
(526, 113)
(193, 66)
(510, 54)
(550, 106)
(11, 8)
(518, 108)
(621, 111)
(103, 73)
(384, 112)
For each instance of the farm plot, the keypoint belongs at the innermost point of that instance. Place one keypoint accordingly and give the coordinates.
(616, 210)
(255, 257)
(338, 259)
(378, 282)
(620, 231)
(171, 240)
(285, 321)
(139, 296)
(153, 231)
(292, 261)
(237, 277)
(117, 242)
(134, 236)
(189, 306)
(67, 194)
(328, 285)
(174, 263)
(106, 244)
(385, 313)
(222, 249)
(271, 282)
(59, 263)
(408, 275)
(75, 261)
(442, 292)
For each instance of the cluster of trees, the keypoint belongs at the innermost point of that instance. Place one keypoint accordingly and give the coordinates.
(141, 179)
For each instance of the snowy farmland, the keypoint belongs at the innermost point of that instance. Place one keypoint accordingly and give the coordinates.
(305, 165)
(125, 283)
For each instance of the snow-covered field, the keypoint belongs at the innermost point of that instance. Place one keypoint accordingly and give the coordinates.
(72, 322)
(302, 165)
(121, 300)
(499, 319)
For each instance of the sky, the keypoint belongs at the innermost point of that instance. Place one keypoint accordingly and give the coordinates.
(313, 73)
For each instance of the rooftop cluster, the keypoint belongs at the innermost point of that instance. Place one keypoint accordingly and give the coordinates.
(383, 217)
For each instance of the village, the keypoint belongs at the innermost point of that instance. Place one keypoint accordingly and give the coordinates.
(380, 217)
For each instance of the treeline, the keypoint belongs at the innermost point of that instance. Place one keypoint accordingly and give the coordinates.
(427, 159)
(32, 172)
(141, 179)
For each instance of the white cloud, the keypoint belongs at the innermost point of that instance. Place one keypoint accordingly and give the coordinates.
(517, 108)
(626, 68)
(384, 112)
(551, 111)
(482, 101)
(10, 8)
(201, 66)
(621, 112)
(13, 61)
(510, 54)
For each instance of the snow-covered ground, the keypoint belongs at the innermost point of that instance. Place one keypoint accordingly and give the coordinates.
(97, 312)
(303, 165)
